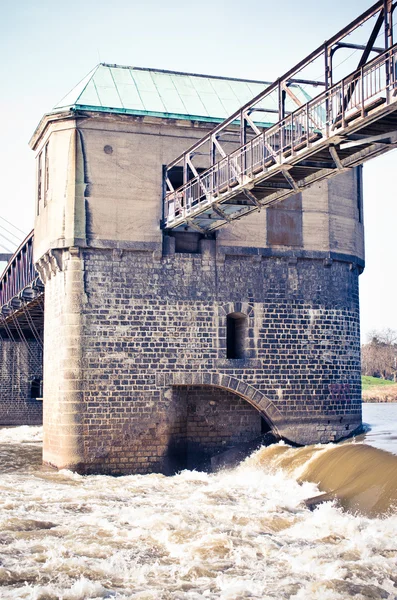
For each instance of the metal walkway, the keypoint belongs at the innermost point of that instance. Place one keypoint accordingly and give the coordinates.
(21, 296)
(240, 167)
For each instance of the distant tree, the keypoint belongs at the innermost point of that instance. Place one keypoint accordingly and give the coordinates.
(379, 355)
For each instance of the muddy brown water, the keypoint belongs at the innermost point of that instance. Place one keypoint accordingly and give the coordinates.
(240, 533)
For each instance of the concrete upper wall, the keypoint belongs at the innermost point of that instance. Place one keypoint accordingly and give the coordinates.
(105, 190)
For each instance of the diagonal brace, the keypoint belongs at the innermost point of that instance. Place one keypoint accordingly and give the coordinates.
(221, 213)
(336, 158)
(290, 179)
(252, 197)
(195, 226)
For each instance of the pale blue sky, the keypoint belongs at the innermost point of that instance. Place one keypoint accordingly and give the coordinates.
(47, 47)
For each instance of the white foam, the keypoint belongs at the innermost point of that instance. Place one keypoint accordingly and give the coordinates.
(242, 533)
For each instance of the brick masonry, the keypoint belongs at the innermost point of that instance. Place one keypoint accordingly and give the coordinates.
(20, 364)
(135, 320)
(141, 331)
(212, 420)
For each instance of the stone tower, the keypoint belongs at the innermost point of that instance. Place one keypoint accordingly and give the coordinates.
(162, 349)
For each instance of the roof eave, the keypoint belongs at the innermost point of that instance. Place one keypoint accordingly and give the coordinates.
(47, 118)
(73, 112)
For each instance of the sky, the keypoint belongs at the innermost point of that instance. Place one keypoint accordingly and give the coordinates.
(48, 46)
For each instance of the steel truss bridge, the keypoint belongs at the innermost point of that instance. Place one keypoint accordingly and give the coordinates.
(240, 167)
(22, 297)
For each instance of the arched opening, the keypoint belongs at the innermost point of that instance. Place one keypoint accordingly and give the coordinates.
(209, 421)
(36, 388)
(265, 426)
(236, 335)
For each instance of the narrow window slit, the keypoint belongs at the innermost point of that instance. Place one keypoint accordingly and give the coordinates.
(236, 335)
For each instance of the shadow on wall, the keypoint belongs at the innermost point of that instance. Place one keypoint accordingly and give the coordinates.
(209, 421)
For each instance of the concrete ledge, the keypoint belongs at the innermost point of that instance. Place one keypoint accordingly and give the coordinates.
(237, 363)
(317, 430)
(132, 246)
(247, 251)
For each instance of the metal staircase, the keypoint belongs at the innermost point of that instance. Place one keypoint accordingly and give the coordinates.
(240, 167)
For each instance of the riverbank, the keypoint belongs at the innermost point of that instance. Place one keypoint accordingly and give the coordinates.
(378, 390)
(381, 394)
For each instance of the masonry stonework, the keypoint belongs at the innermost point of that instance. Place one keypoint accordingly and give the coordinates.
(20, 367)
(149, 332)
(137, 377)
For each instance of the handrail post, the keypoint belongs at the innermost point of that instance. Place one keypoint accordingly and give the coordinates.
(307, 123)
(362, 92)
(342, 105)
(328, 84)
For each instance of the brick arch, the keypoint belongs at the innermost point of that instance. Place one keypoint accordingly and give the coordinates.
(226, 382)
(236, 307)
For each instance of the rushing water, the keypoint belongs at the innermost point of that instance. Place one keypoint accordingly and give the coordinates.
(241, 533)
(382, 419)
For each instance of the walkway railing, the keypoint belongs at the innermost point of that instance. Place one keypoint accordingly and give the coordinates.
(329, 114)
(20, 273)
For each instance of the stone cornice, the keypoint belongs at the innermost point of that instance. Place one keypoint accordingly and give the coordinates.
(49, 264)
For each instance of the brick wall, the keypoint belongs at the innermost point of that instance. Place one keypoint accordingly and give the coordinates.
(213, 420)
(20, 363)
(147, 328)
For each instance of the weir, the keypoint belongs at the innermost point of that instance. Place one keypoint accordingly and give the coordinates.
(174, 329)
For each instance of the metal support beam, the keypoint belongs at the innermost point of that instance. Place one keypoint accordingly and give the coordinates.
(365, 55)
(191, 165)
(252, 124)
(316, 164)
(169, 184)
(291, 94)
(290, 180)
(341, 45)
(307, 140)
(388, 20)
(195, 226)
(218, 146)
(252, 197)
(290, 75)
(222, 214)
(336, 158)
(266, 110)
(385, 138)
(274, 185)
(305, 82)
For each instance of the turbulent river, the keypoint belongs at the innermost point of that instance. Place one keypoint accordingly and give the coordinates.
(240, 533)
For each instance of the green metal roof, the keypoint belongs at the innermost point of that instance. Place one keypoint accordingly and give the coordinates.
(139, 91)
